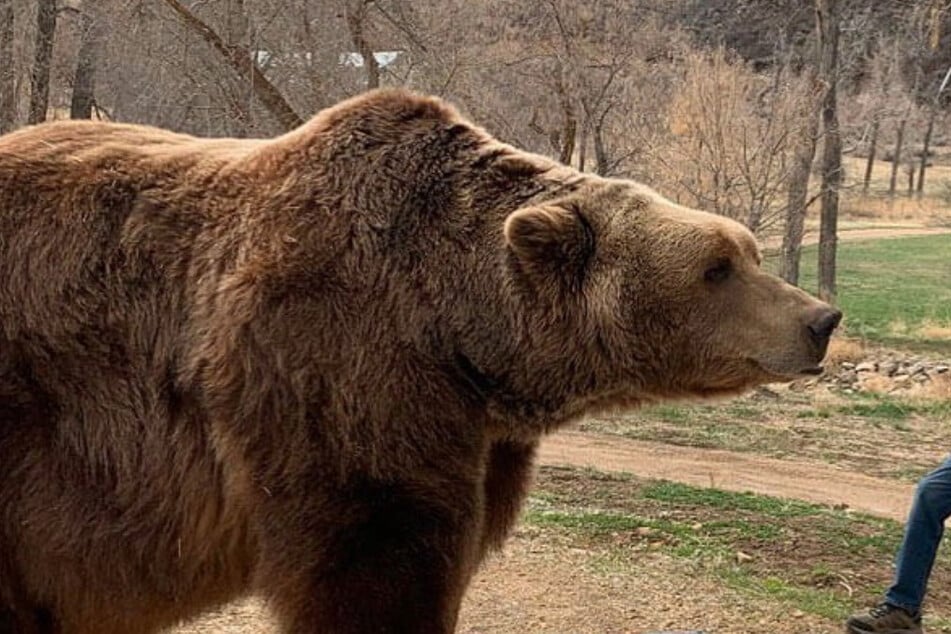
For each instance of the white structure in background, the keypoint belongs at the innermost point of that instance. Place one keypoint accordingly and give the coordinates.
(353, 60)
(383, 58)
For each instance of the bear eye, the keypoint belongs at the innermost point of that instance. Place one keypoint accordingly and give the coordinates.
(719, 271)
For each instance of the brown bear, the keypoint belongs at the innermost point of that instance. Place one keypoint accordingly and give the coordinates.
(316, 368)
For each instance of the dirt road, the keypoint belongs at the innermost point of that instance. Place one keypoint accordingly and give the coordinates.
(731, 471)
(869, 233)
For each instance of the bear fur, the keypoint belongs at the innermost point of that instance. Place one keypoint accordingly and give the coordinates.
(316, 367)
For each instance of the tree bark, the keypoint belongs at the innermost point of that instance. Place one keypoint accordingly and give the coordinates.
(240, 60)
(84, 81)
(896, 158)
(237, 34)
(42, 57)
(827, 20)
(925, 148)
(600, 152)
(583, 144)
(356, 19)
(797, 198)
(7, 72)
(570, 124)
(870, 162)
(911, 177)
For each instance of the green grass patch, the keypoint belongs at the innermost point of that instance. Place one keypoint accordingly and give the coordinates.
(813, 600)
(676, 493)
(891, 289)
(887, 407)
(813, 558)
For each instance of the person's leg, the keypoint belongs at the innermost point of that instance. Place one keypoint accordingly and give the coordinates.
(923, 532)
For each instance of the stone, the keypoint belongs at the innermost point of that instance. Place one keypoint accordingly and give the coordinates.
(888, 368)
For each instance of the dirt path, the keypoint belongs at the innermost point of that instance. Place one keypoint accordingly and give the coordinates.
(808, 481)
(871, 233)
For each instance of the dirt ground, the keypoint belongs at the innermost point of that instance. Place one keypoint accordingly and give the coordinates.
(538, 587)
(731, 471)
(868, 233)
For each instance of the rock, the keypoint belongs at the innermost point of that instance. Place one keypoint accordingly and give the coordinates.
(846, 365)
(643, 531)
(848, 377)
(888, 368)
(866, 367)
(941, 369)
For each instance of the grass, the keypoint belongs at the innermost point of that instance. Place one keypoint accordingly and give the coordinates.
(895, 292)
(812, 558)
(883, 406)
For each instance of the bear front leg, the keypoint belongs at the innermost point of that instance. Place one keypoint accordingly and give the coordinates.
(385, 558)
(507, 480)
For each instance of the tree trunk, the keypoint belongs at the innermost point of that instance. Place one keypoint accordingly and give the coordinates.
(896, 158)
(911, 177)
(583, 143)
(42, 56)
(797, 199)
(827, 20)
(7, 73)
(237, 34)
(570, 124)
(356, 18)
(925, 148)
(870, 163)
(240, 60)
(600, 152)
(84, 81)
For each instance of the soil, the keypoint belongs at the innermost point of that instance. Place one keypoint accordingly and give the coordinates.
(731, 471)
(871, 233)
(538, 586)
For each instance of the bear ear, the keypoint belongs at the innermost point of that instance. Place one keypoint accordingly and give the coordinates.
(551, 240)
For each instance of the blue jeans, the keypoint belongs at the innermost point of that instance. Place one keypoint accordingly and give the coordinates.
(932, 506)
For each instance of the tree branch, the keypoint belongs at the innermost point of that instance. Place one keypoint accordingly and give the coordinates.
(240, 60)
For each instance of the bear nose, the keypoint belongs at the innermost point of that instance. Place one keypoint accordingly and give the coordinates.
(825, 322)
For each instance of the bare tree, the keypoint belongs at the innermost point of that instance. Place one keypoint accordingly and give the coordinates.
(872, 147)
(733, 133)
(357, 15)
(7, 68)
(797, 202)
(827, 20)
(242, 62)
(84, 81)
(896, 154)
(926, 142)
(936, 22)
(42, 57)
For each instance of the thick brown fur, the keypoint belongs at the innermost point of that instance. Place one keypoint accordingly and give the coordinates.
(316, 368)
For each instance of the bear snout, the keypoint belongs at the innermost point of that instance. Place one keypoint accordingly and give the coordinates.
(822, 324)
